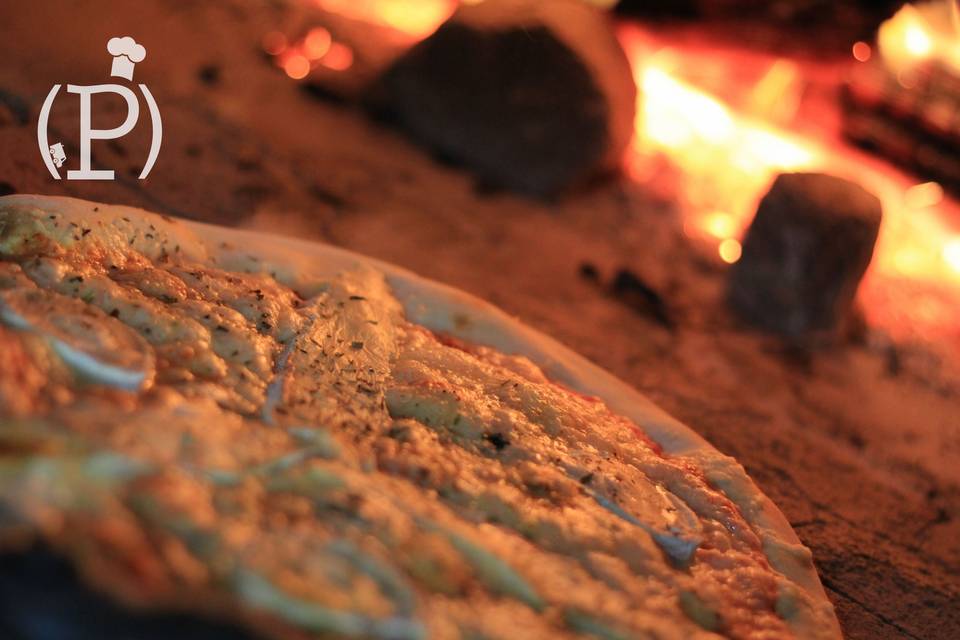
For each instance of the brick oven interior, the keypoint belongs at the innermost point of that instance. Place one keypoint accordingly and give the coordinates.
(841, 400)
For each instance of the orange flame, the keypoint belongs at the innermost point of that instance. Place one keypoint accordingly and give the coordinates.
(929, 31)
(728, 158)
(415, 18)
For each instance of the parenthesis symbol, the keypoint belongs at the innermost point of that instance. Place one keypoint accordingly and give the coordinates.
(42, 132)
(157, 131)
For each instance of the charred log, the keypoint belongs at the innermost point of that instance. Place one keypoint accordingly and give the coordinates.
(530, 96)
(804, 255)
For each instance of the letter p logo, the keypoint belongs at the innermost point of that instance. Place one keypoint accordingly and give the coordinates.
(87, 133)
(126, 52)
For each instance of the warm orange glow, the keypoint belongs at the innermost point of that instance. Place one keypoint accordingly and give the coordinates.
(274, 43)
(296, 66)
(725, 160)
(926, 31)
(862, 51)
(415, 18)
(776, 95)
(916, 241)
(730, 250)
(338, 58)
(317, 43)
(951, 253)
(927, 194)
(917, 41)
(719, 224)
(317, 47)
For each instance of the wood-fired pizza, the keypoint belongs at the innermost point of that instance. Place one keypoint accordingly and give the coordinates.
(311, 443)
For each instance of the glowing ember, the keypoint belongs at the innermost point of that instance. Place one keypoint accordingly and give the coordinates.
(317, 43)
(720, 225)
(917, 41)
(415, 18)
(299, 58)
(338, 58)
(929, 31)
(296, 66)
(730, 250)
(928, 194)
(915, 238)
(862, 51)
(951, 253)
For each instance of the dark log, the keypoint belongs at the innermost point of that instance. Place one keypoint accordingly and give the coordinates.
(804, 254)
(532, 96)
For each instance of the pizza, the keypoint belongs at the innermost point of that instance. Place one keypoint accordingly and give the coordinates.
(310, 443)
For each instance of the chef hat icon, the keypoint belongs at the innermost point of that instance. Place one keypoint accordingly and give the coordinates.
(125, 52)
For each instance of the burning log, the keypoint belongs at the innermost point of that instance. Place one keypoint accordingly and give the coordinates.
(913, 125)
(804, 254)
(532, 96)
(837, 23)
(904, 102)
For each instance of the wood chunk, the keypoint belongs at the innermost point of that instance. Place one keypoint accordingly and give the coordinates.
(804, 254)
(532, 96)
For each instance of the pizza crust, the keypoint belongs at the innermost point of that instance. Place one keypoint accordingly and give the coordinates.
(444, 309)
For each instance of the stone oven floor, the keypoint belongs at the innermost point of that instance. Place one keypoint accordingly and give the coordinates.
(859, 445)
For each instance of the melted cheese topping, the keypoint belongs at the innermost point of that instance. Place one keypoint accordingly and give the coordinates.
(295, 447)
